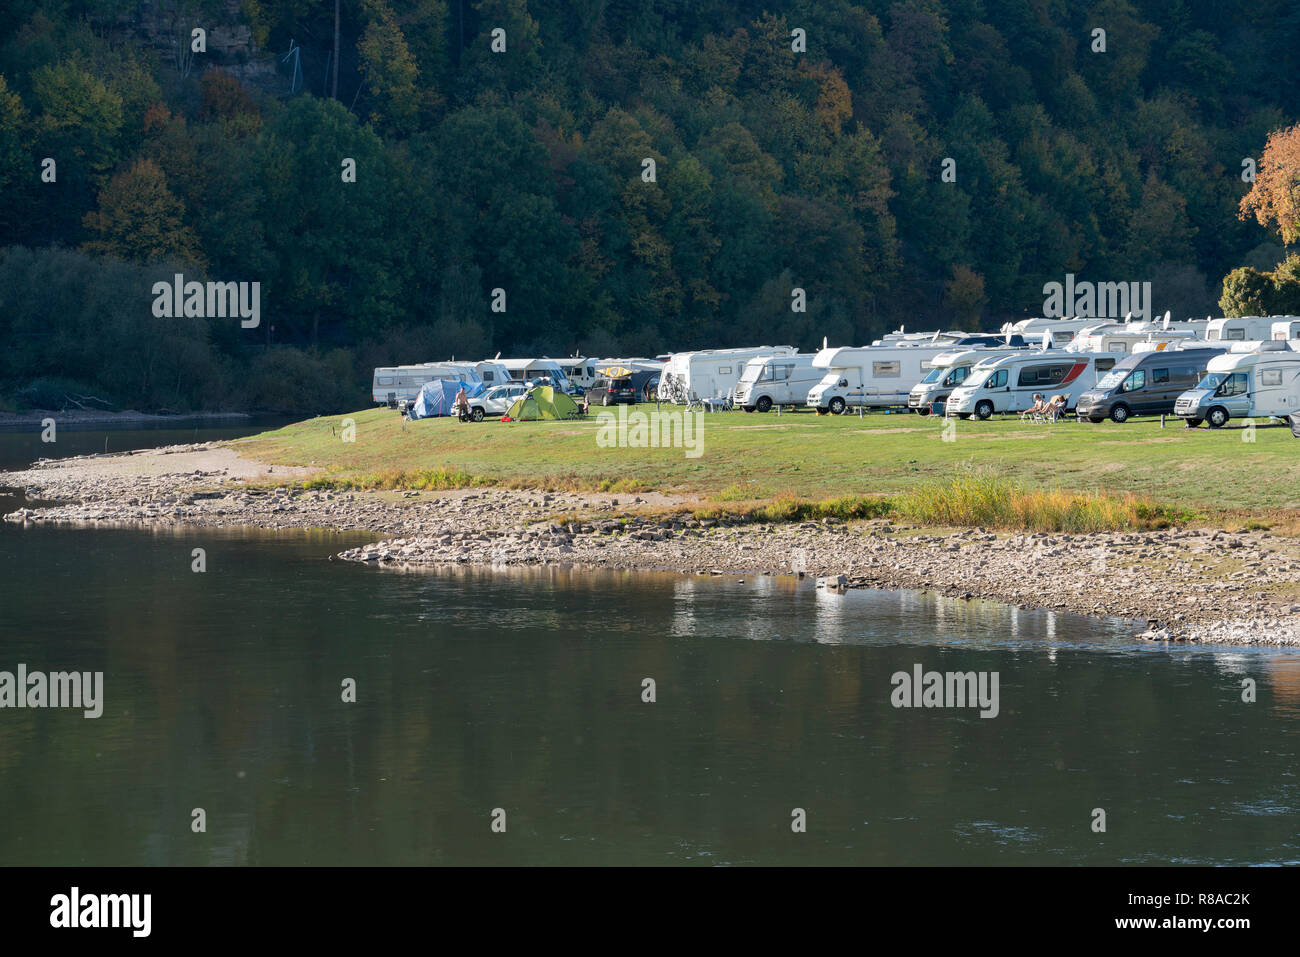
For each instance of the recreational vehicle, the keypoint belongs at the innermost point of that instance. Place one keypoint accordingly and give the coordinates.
(947, 371)
(777, 380)
(1008, 384)
(1240, 329)
(530, 370)
(1286, 329)
(710, 373)
(1262, 379)
(1062, 329)
(396, 384)
(1146, 383)
(492, 372)
(875, 376)
(1118, 340)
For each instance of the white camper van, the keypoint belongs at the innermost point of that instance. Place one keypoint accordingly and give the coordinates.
(1254, 379)
(1240, 329)
(1009, 383)
(393, 385)
(1288, 328)
(777, 380)
(492, 373)
(948, 370)
(709, 373)
(529, 370)
(876, 376)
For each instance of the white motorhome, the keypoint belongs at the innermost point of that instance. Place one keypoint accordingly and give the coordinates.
(1008, 384)
(492, 372)
(777, 380)
(709, 373)
(529, 370)
(948, 370)
(1288, 328)
(393, 385)
(876, 376)
(1062, 329)
(1120, 341)
(1240, 329)
(1254, 379)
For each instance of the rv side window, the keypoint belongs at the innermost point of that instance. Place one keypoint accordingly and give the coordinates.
(1159, 376)
(1270, 377)
(997, 380)
(1236, 334)
(885, 370)
(1118, 347)
(1105, 365)
(781, 373)
(1235, 384)
(386, 380)
(724, 370)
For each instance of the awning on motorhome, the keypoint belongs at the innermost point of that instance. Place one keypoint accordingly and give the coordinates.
(438, 396)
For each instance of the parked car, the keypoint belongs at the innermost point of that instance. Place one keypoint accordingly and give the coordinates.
(608, 391)
(496, 401)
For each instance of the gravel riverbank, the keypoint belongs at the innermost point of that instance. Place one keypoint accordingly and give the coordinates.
(1212, 585)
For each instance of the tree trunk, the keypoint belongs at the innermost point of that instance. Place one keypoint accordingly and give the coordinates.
(334, 83)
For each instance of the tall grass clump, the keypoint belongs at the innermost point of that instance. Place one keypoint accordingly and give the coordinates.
(990, 501)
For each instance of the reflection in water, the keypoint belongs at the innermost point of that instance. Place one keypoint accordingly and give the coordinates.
(521, 688)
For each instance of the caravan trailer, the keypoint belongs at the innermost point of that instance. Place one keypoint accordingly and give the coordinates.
(492, 373)
(1285, 329)
(1146, 383)
(947, 371)
(1253, 379)
(531, 370)
(1240, 329)
(1008, 384)
(777, 380)
(875, 376)
(393, 385)
(709, 373)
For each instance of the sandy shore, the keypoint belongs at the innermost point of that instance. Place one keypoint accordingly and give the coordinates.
(1211, 585)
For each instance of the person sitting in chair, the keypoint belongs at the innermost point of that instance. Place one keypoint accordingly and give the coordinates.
(1038, 408)
(1055, 408)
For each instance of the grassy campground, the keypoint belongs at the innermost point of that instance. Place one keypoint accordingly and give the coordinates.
(1000, 472)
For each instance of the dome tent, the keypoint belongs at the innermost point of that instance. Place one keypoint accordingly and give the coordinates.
(438, 396)
(543, 402)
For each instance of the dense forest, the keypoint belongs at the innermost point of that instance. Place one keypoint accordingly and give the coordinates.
(928, 162)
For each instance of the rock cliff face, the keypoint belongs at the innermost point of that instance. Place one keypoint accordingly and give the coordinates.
(165, 26)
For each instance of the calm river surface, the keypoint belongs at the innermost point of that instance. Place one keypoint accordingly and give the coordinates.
(522, 690)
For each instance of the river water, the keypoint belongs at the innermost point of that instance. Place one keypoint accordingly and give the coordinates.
(524, 691)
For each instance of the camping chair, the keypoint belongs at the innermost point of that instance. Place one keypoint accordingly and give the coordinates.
(718, 403)
(1036, 412)
(694, 403)
(1055, 409)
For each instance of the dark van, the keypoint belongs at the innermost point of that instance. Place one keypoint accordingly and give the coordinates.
(1146, 383)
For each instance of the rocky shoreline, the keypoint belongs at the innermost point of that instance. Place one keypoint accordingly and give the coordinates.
(1209, 585)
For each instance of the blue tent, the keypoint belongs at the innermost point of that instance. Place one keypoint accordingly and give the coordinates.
(438, 397)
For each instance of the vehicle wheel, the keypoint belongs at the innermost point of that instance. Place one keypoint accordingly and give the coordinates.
(1094, 419)
(604, 400)
(764, 404)
(983, 410)
(963, 415)
(477, 414)
(1119, 413)
(837, 405)
(1217, 417)
(747, 408)
(1193, 423)
(923, 410)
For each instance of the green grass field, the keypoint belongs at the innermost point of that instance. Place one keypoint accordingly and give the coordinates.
(753, 457)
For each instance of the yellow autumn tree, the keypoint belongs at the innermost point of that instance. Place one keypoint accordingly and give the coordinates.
(140, 219)
(1274, 200)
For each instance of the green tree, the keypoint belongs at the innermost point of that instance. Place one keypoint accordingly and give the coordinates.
(139, 219)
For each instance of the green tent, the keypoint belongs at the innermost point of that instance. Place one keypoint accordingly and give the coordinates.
(543, 402)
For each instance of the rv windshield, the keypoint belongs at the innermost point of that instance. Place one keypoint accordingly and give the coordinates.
(977, 378)
(1212, 381)
(932, 375)
(1110, 380)
(752, 372)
